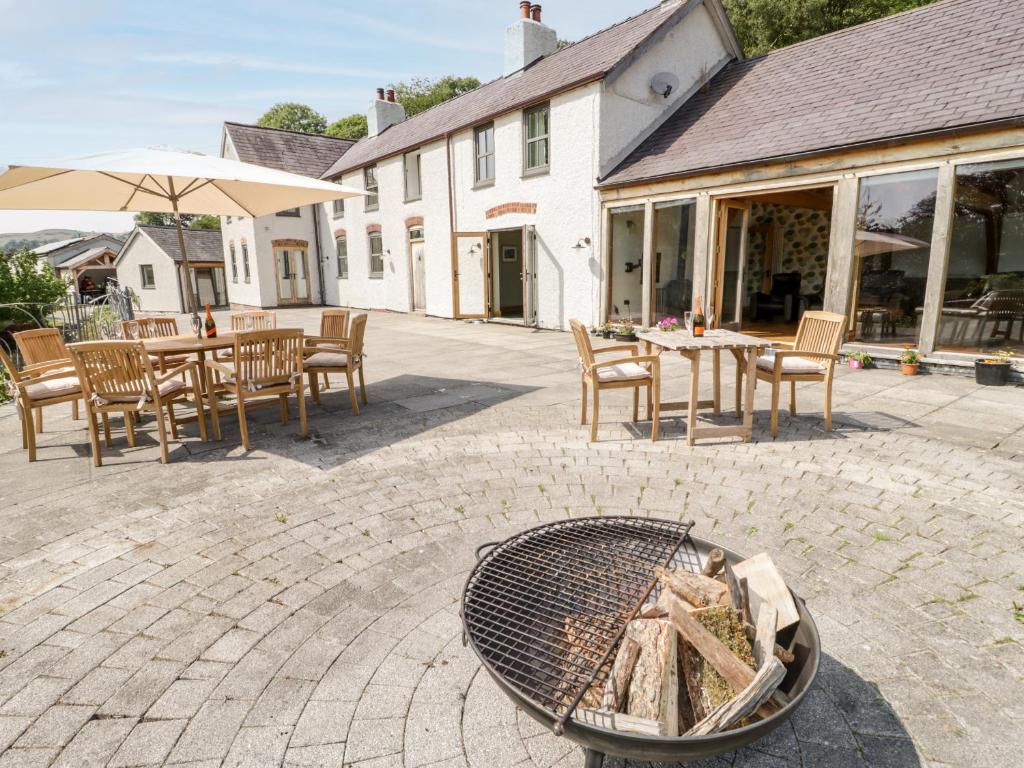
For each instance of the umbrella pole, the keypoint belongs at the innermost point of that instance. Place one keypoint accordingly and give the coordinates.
(190, 295)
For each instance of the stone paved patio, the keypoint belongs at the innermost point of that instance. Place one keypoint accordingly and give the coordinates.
(299, 605)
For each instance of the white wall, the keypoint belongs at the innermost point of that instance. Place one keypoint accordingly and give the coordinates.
(165, 296)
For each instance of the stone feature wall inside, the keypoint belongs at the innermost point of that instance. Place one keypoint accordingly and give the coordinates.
(801, 244)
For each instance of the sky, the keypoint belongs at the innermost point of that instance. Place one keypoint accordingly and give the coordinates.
(85, 76)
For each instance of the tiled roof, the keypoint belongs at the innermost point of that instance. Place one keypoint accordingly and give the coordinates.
(585, 61)
(943, 67)
(302, 153)
(201, 244)
(82, 258)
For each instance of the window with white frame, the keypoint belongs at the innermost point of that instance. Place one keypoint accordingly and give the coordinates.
(376, 255)
(484, 147)
(147, 277)
(413, 189)
(537, 138)
(372, 202)
(245, 261)
(292, 212)
(339, 208)
(234, 264)
(341, 244)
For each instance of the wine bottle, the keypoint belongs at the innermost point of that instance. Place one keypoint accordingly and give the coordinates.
(210, 326)
(698, 317)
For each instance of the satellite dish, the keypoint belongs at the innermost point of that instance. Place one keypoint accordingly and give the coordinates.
(664, 84)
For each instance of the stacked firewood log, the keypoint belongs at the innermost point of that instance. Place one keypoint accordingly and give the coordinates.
(702, 656)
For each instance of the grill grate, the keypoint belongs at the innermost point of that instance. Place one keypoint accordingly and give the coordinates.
(546, 609)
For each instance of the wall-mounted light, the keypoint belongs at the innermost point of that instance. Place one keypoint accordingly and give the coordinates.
(583, 242)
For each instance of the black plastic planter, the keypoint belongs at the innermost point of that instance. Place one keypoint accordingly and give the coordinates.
(991, 374)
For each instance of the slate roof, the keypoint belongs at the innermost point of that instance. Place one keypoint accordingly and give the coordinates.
(42, 250)
(584, 62)
(82, 258)
(201, 244)
(945, 67)
(301, 153)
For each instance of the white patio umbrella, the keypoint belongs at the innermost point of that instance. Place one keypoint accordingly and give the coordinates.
(165, 181)
(870, 243)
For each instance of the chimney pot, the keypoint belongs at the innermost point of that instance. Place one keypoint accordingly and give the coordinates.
(524, 9)
(391, 95)
(535, 12)
(380, 94)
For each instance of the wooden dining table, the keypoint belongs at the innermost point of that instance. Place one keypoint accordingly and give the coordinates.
(744, 349)
(190, 344)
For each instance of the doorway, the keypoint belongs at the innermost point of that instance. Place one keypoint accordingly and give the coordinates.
(506, 276)
(418, 269)
(291, 269)
(771, 259)
(494, 275)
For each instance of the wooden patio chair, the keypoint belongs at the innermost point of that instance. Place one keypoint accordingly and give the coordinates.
(118, 377)
(263, 364)
(333, 333)
(339, 355)
(813, 357)
(42, 346)
(154, 328)
(253, 320)
(633, 372)
(36, 387)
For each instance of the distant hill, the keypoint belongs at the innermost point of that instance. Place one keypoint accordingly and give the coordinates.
(15, 241)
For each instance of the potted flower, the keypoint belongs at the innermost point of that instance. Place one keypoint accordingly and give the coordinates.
(606, 330)
(625, 333)
(858, 359)
(910, 361)
(668, 324)
(993, 371)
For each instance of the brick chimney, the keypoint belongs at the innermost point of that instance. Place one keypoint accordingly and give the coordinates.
(384, 112)
(527, 39)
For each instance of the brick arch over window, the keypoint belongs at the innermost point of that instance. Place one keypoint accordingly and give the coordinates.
(414, 221)
(372, 228)
(506, 208)
(289, 243)
(339, 233)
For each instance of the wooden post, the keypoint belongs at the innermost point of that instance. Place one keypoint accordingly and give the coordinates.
(647, 268)
(938, 262)
(701, 245)
(841, 244)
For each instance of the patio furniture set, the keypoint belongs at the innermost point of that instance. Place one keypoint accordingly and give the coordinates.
(154, 368)
(812, 357)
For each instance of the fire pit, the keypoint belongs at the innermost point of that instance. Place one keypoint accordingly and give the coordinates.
(546, 610)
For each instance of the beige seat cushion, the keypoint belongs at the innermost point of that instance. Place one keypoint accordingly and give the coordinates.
(43, 390)
(766, 362)
(623, 372)
(326, 360)
(167, 389)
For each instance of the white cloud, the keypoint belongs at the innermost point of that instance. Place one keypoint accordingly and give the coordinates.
(203, 59)
(15, 76)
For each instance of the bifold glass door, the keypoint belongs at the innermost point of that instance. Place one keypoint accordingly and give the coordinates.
(292, 276)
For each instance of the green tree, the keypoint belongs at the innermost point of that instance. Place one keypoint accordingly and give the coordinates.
(291, 116)
(29, 281)
(351, 127)
(422, 93)
(764, 25)
(190, 220)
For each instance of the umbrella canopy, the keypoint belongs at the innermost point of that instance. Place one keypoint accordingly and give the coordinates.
(164, 181)
(871, 243)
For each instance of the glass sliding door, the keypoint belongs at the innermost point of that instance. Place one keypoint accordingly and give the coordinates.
(983, 298)
(674, 226)
(729, 264)
(625, 264)
(891, 254)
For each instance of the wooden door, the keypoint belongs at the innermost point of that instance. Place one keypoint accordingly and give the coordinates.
(470, 258)
(727, 294)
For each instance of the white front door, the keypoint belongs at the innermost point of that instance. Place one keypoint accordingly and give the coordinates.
(469, 273)
(419, 277)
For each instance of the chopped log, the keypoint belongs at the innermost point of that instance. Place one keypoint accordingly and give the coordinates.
(577, 630)
(651, 611)
(620, 722)
(686, 718)
(698, 590)
(654, 690)
(715, 562)
(786, 657)
(716, 653)
(735, 591)
(745, 602)
(692, 664)
(764, 640)
(767, 586)
(618, 679)
(752, 698)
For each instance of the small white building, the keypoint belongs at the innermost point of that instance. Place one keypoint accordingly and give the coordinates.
(485, 206)
(150, 263)
(278, 260)
(87, 261)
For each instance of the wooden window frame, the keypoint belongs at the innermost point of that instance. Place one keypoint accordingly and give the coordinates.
(336, 212)
(341, 242)
(484, 181)
(151, 284)
(375, 274)
(234, 263)
(245, 263)
(527, 140)
(372, 200)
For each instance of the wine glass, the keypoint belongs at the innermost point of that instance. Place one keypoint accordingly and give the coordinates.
(688, 322)
(197, 326)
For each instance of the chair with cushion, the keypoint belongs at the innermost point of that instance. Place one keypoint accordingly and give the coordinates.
(333, 333)
(338, 355)
(36, 387)
(42, 346)
(813, 357)
(154, 328)
(253, 320)
(633, 372)
(263, 364)
(118, 377)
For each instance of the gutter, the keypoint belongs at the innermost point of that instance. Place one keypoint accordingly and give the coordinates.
(892, 141)
(319, 255)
